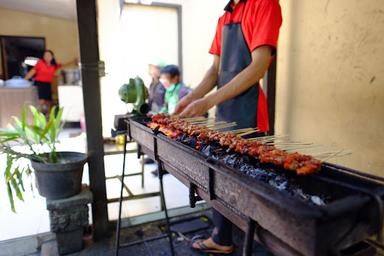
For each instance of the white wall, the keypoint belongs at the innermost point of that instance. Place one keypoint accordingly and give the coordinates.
(198, 25)
(61, 34)
(330, 83)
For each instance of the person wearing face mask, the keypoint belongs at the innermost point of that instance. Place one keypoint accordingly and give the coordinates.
(244, 44)
(175, 89)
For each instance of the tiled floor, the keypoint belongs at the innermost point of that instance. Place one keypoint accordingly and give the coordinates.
(32, 217)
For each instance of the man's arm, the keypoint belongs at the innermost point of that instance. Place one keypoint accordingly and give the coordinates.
(244, 80)
(205, 86)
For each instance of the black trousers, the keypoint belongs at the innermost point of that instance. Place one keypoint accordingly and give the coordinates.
(222, 234)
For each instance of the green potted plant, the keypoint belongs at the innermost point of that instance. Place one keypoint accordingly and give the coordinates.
(58, 174)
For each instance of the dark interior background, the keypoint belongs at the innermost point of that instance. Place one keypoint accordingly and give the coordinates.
(15, 49)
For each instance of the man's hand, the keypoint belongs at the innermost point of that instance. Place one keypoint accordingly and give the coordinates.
(205, 86)
(197, 108)
(183, 103)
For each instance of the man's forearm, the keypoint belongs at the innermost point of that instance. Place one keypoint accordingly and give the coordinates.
(245, 79)
(206, 85)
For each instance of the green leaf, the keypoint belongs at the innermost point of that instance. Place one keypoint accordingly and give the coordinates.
(19, 176)
(2, 141)
(38, 117)
(10, 134)
(55, 129)
(10, 197)
(17, 189)
(47, 128)
(8, 166)
(24, 117)
(34, 113)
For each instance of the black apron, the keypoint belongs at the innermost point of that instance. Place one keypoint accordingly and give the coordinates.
(236, 56)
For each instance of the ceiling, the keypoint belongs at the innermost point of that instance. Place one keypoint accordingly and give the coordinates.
(57, 8)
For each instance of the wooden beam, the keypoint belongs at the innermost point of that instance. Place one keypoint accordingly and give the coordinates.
(270, 85)
(89, 51)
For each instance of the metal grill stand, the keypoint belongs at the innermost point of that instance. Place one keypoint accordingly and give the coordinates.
(163, 205)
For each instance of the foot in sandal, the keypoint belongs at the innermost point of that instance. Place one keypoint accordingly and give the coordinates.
(209, 246)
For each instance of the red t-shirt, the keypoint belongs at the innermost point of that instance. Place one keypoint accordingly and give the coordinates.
(44, 72)
(260, 23)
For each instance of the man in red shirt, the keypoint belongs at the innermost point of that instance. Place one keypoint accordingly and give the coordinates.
(245, 41)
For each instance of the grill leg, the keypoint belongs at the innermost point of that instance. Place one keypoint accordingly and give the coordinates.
(142, 171)
(162, 196)
(121, 198)
(249, 236)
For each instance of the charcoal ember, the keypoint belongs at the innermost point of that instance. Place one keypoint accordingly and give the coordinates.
(279, 182)
(207, 150)
(260, 174)
(182, 137)
(246, 159)
(299, 192)
(246, 169)
(252, 167)
(187, 140)
(230, 160)
(317, 200)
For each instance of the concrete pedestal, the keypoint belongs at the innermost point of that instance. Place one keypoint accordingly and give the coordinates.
(68, 217)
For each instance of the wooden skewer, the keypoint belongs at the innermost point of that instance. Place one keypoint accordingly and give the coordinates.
(268, 137)
(293, 148)
(222, 126)
(191, 119)
(201, 121)
(215, 124)
(287, 143)
(247, 133)
(242, 130)
(339, 153)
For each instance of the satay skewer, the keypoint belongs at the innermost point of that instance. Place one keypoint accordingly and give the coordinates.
(237, 131)
(247, 133)
(295, 147)
(331, 155)
(222, 126)
(215, 124)
(288, 143)
(301, 164)
(192, 119)
(268, 137)
(207, 120)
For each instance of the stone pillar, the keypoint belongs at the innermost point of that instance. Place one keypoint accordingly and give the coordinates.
(68, 217)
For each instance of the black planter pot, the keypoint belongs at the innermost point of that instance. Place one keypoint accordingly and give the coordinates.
(60, 180)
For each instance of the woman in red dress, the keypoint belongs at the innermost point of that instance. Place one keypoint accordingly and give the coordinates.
(44, 72)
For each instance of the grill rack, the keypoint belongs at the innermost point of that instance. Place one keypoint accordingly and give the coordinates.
(302, 229)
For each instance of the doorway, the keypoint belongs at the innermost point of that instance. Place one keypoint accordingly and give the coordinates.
(151, 35)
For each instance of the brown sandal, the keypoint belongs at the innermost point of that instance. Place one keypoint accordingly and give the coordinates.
(203, 248)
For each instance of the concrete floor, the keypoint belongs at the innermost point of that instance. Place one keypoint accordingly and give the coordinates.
(185, 227)
(32, 217)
